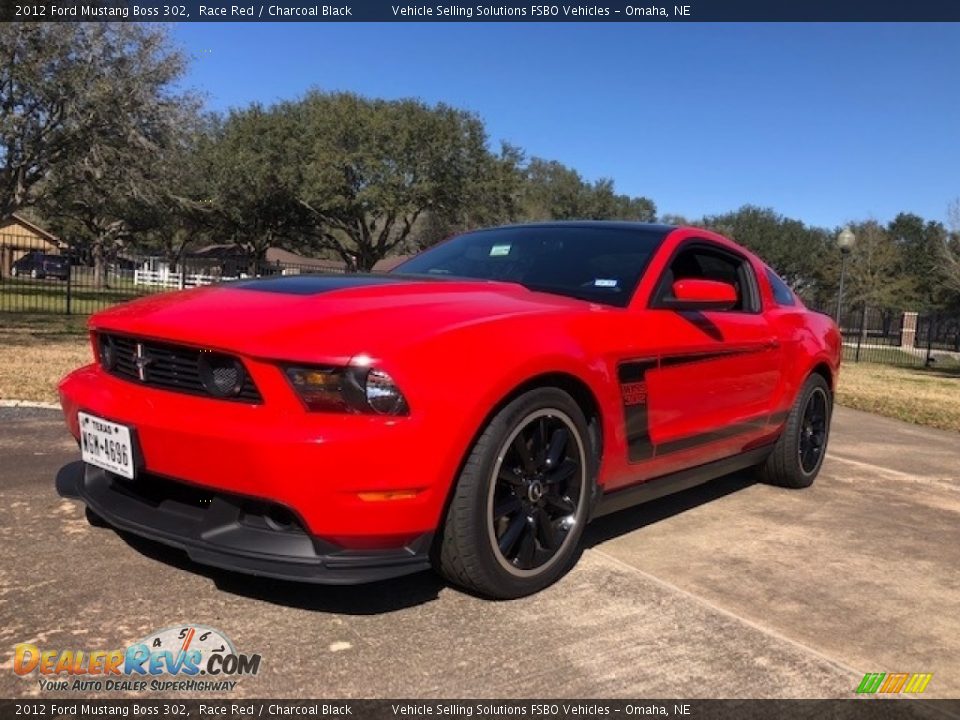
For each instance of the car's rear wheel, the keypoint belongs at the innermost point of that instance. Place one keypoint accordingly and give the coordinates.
(35, 273)
(798, 455)
(519, 507)
(13, 272)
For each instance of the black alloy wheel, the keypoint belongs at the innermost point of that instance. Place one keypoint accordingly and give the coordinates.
(797, 456)
(813, 431)
(522, 499)
(535, 491)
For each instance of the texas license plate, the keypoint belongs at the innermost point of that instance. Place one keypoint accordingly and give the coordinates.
(106, 444)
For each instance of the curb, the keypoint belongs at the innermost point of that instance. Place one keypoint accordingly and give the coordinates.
(29, 404)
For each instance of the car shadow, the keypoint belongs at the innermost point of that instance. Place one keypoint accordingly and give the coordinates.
(368, 599)
(637, 517)
(405, 592)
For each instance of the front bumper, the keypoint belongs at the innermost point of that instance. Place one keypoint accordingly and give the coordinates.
(357, 482)
(232, 532)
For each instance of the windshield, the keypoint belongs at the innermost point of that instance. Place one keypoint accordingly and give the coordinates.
(597, 263)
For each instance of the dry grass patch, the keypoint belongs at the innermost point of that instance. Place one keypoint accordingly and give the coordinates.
(916, 395)
(36, 351)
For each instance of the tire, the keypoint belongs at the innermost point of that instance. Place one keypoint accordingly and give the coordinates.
(35, 274)
(13, 272)
(520, 504)
(798, 454)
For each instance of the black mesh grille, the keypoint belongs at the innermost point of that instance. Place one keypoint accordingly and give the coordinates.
(170, 367)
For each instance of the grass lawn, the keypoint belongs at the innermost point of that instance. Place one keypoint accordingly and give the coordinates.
(37, 350)
(50, 295)
(918, 395)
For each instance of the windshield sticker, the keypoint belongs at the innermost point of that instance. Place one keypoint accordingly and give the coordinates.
(499, 250)
(602, 282)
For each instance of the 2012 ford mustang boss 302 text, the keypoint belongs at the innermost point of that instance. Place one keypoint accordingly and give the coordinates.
(472, 410)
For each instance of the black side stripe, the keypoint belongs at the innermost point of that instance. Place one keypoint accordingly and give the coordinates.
(692, 441)
(632, 376)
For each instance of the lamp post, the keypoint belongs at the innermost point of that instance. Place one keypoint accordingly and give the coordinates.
(845, 241)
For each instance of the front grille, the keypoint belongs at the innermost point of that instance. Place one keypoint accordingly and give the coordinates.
(170, 367)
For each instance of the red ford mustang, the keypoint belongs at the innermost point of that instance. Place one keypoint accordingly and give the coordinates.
(472, 410)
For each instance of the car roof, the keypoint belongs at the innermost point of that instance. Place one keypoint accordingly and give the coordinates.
(624, 224)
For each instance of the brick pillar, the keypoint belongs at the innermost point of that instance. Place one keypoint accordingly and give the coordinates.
(908, 330)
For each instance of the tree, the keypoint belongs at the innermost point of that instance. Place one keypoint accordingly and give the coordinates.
(252, 164)
(552, 191)
(874, 268)
(950, 252)
(675, 219)
(178, 210)
(42, 102)
(372, 169)
(112, 167)
(493, 198)
(920, 246)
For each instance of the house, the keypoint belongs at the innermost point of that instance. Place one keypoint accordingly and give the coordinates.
(389, 263)
(226, 260)
(291, 262)
(18, 236)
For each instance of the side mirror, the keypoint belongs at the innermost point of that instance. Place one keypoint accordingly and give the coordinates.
(693, 294)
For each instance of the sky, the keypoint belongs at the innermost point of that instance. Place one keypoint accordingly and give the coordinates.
(827, 123)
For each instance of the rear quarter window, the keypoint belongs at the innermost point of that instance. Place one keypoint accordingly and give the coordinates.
(782, 294)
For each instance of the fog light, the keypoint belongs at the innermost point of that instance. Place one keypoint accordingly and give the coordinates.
(222, 376)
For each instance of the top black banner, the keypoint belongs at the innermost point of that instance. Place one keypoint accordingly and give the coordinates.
(490, 11)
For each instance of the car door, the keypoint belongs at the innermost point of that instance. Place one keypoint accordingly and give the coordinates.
(708, 382)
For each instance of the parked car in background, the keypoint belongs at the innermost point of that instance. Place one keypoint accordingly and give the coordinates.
(40, 265)
(472, 410)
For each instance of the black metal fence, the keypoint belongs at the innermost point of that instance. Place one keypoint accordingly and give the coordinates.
(884, 335)
(899, 337)
(38, 277)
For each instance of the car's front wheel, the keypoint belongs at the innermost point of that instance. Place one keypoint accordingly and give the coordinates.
(798, 455)
(13, 272)
(519, 507)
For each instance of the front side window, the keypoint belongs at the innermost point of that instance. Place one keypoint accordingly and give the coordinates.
(705, 262)
(595, 263)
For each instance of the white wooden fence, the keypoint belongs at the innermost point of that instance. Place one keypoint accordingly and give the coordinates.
(172, 280)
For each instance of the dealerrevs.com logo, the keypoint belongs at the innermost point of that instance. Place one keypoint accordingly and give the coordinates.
(178, 659)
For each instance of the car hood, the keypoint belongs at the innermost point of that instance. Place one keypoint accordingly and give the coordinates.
(324, 318)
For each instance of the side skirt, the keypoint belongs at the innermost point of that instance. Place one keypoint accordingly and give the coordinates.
(676, 482)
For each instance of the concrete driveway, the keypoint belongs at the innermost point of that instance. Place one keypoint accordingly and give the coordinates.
(729, 590)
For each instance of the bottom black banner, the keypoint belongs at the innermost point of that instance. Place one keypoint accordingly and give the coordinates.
(873, 708)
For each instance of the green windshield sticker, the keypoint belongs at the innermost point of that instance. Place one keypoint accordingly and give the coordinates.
(499, 250)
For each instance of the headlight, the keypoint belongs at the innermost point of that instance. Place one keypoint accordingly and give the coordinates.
(347, 389)
(383, 395)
